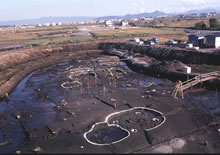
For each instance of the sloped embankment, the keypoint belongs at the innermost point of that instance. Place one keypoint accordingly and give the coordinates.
(166, 53)
(16, 64)
(168, 66)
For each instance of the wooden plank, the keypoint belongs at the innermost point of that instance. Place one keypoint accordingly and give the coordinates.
(194, 81)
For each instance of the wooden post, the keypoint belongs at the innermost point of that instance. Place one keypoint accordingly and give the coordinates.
(176, 90)
(181, 89)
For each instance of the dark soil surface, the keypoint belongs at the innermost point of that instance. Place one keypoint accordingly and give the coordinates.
(52, 108)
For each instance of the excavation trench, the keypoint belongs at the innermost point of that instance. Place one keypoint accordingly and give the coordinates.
(166, 62)
(58, 107)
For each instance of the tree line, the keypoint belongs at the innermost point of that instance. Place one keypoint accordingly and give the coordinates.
(213, 25)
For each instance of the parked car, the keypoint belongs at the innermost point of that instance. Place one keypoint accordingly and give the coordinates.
(135, 39)
(142, 39)
(149, 42)
(156, 39)
(170, 42)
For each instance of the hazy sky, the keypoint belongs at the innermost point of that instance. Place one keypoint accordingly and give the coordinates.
(26, 9)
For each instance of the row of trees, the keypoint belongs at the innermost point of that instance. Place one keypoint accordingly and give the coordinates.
(213, 25)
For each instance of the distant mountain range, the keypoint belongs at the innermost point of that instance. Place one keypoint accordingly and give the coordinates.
(207, 10)
(129, 16)
(83, 18)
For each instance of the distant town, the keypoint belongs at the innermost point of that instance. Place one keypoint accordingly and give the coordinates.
(123, 21)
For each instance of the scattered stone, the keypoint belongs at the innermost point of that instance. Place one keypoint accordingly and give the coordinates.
(18, 116)
(51, 130)
(71, 113)
(64, 119)
(153, 90)
(57, 106)
(18, 152)
(63, 102)
(37, 149)
(82, 147)
(113, 100)
(7, 98)
(134, 130)
(218, 130)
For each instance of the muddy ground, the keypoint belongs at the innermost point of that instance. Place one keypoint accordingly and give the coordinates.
(94, 103)
(53, 107)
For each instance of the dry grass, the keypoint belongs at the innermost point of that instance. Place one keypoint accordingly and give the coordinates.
(186, 23)
(144, 32)
(61, 34)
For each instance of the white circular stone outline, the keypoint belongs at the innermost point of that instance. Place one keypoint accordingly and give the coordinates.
(115, 113)
(62, 85)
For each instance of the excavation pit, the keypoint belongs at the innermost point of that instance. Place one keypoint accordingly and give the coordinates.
(117, 126)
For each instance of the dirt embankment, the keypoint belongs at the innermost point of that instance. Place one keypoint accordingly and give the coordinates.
(166, 62)
(16, 64)
(166, 53)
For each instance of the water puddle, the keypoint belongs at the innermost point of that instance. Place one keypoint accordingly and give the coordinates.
(106, 135)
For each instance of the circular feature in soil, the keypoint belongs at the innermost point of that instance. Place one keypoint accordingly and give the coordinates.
(103, 134)
(67, 85)
(117, 125)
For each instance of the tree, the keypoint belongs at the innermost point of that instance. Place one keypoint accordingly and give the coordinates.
(214, 24)
(200, 25)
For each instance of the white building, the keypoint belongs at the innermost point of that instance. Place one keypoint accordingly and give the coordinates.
(124, 23)
(39, 25)
(53, 24)
(109, 23)
(60, 23)
(47, 24)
